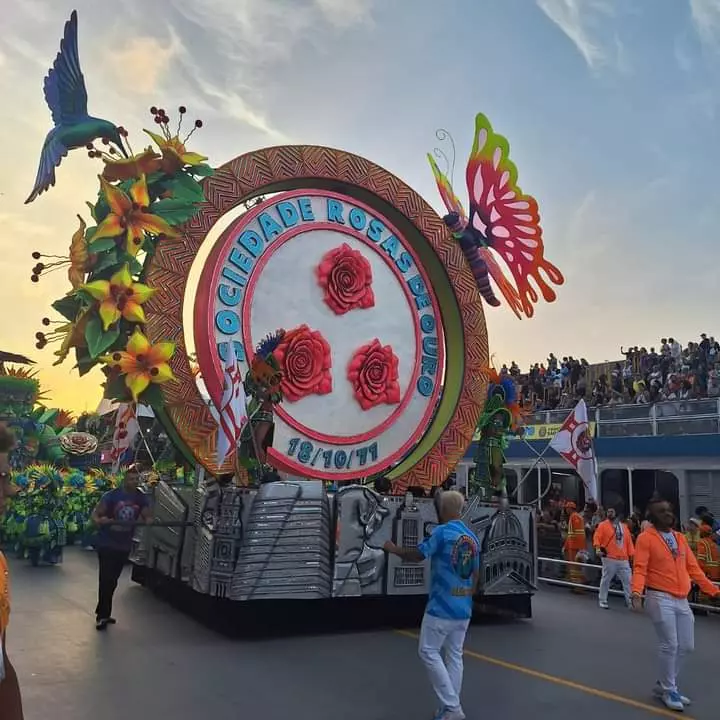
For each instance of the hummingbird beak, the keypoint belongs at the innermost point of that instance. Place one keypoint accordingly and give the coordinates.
(122, 148)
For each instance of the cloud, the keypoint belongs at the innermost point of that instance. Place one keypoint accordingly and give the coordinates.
(577, 19)
(682, 54)
(236, 107)
(346, 13)
(25, 51)
(142, 63)
(706, 18)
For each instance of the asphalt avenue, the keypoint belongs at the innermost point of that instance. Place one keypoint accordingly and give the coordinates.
(571, 660)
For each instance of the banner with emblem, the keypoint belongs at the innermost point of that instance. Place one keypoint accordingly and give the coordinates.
(573, 442)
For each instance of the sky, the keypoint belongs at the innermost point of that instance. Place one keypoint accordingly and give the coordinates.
(609, 106)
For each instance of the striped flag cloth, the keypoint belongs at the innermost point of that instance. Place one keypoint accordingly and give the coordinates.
(233, 407)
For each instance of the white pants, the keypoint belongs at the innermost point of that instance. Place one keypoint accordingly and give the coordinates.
(610, 570)
(675, 627)
(436, 635)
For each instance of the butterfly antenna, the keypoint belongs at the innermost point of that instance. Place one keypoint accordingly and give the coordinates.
(444, 136)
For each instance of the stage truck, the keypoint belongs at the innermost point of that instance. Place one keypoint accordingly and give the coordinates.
(347, 309)
(293, 540)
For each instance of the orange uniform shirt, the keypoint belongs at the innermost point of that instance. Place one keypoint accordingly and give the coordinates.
(4, 594)
(655, 567)
(575, 540)
(605, 538)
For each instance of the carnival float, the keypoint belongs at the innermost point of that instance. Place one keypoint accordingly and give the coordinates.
(336, 367)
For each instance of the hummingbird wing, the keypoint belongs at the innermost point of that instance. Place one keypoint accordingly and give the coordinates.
(64, 86)
(52, 153)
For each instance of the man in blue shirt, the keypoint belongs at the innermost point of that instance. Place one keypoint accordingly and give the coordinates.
(116, 515)
(454, 553)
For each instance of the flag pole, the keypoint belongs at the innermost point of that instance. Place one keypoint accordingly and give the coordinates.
(142, 435)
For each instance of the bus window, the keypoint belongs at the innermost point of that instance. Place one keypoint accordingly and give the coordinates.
(615, 491)
(645, 483)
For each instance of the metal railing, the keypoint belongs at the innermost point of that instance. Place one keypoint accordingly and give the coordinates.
(596, 588)
(676, 417)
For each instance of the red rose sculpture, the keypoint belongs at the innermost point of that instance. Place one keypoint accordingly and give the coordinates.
(373, 372)
(304, 357)
(346, 278)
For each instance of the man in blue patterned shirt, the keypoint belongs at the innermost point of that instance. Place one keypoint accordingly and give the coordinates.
(454, 553)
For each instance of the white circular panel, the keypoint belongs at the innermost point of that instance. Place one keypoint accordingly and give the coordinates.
(265, 277)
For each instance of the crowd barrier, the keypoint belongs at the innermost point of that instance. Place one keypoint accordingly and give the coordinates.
(595, 588)
(674, 417)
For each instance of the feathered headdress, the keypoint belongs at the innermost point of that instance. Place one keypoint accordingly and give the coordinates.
(264, 358)
(502, 395)
(268, 344)
(265, 372)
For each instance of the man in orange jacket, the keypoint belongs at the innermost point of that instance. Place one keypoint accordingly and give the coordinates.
(665, 568)
(614, 545)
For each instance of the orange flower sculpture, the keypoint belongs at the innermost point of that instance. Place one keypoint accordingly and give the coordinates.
(120, 170)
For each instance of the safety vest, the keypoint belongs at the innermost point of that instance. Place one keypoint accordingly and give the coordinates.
(708, 558)
(575, 533)
(4, 594)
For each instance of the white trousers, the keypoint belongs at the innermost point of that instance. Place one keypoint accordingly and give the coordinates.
(436, 635)
(612, 569)
(675, 627)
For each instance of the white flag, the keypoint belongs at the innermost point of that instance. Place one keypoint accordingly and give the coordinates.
(233, 407)
(574, 443)
(126, 429)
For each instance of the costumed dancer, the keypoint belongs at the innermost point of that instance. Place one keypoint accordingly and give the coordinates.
(263, 389)
(575, 544)
(665, 568)
(10, 698)
(500, 417)
(613, 544)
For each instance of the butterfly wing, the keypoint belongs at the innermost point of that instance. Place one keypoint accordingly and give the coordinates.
(508, 218)
(451, 200)
(471, 249)
(503, 284)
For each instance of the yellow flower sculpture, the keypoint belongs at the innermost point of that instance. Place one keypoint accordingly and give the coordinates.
(175, 156)
(129, 216)
(78, 257)
(120, 297)
(73, 336)
(142, 363)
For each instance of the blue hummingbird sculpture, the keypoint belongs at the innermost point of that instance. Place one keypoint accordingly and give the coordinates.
(66, 97)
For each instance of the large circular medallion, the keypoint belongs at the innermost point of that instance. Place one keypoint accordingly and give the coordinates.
(385, 340)
(366, 355)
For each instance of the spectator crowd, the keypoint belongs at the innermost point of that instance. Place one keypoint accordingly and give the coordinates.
(668, 372)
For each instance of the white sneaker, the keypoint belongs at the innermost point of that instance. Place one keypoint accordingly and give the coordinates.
(604, 605)
(659, 693)
(453, 715)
